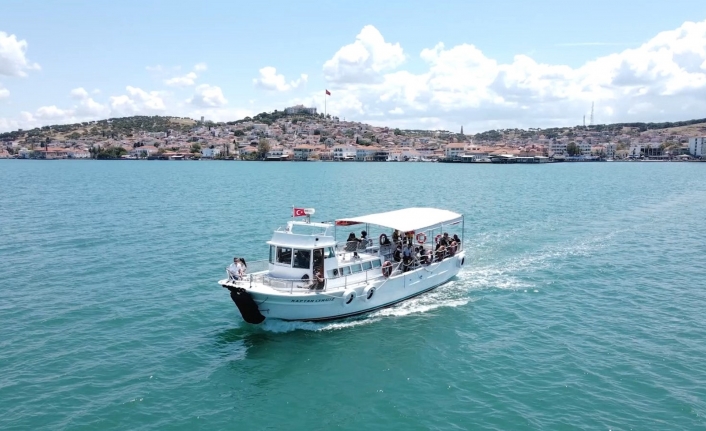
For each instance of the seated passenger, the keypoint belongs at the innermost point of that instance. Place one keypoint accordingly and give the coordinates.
(428, 257)
(452, 248)
(397, 254)
(363, 241)
(384, 240)
(243, 267)
(457, 239)
(235, 270)
(318, 282)
(351, 242)
(440, 253)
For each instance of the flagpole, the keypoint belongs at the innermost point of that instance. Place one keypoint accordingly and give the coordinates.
(325, 99)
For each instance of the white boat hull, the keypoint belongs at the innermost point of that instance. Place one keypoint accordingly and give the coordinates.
(313, 305)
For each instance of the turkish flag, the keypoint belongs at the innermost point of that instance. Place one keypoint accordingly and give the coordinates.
(298, 212)
(328, 93)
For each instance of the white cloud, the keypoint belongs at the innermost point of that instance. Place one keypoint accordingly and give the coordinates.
(79, 93)
(664, 79)
(182, 81)
(200, 67)
(208, 96)
(52, 113)
(4, 93)
(365, 59)
(269, 79)
(13, 61)
(137, 101)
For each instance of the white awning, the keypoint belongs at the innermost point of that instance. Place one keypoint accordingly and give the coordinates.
(407, 219)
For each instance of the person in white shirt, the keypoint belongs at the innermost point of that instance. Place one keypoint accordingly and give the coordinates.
(235, 269)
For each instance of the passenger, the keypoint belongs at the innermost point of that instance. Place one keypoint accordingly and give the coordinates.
(384, 240)
(428, 257)
(397, 254)
(445, 239)
(234, 269)
(409, 236)
(318, 281)
(407, 256)
(363, 241)
(244, 267)
(457, 239)
(440, 253)
(452, 248)
(396, 236)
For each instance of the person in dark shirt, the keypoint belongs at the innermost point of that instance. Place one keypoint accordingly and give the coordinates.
(397, 254)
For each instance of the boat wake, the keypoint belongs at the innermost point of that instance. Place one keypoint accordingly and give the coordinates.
(516, 273)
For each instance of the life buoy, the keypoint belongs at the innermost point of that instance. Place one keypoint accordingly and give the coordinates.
(386, 268)
(437, 238)
(368, 293)
(348, 297)
(421, 237)
(383, 239)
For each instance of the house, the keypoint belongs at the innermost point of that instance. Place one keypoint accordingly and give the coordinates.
(454, 150)
(145, 151)
(367, 154)
(303, 152)
(696, 146)
(344, 152)
(210, 153)
(278, 153)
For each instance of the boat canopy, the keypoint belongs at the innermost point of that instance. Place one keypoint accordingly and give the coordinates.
(406, 220)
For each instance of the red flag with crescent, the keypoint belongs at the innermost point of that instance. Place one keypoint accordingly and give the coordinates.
(328, 93)
(298, 212)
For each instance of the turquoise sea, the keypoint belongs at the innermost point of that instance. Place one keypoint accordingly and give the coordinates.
(583, 306)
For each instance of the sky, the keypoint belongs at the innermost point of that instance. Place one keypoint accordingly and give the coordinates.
(408, 64)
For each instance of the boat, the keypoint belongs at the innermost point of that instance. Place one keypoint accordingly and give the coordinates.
(311, 276)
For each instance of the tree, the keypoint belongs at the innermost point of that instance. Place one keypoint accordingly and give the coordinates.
(573, 149)
(263, 147)
(239, 133)
(398, 132)
(195, 148)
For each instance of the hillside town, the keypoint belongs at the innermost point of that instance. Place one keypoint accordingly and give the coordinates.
(299, 133)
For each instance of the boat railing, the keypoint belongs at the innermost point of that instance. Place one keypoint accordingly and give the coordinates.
(372, 245)
(298, 285)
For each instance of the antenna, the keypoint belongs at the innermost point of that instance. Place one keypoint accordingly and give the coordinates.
(591, 123)
(584, 121)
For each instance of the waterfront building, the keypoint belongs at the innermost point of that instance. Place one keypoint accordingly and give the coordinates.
(344, 152)
(303, 152)
(454, 150)
(366, 154)
(556, 147)
(696, 146)
(210, 153)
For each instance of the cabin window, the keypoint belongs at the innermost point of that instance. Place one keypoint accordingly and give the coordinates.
(367, 266)
(330, 252)
(356, 268)
(284, 255)
(376, 263)
(302, 259)
(346, 270)
(272, 253)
